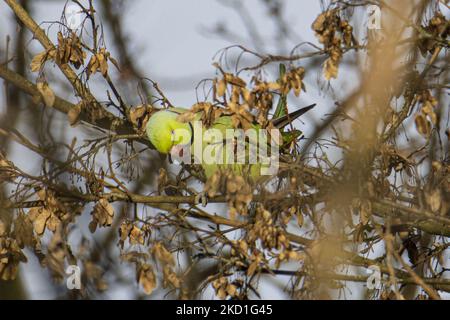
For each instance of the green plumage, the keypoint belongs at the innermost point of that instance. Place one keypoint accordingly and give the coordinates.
(162, 125)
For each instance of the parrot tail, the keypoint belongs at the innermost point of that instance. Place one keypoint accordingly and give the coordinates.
(283, 121)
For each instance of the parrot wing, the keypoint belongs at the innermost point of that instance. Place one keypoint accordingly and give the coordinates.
(223, 148)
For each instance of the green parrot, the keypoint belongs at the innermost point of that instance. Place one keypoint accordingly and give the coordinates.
(173, 137)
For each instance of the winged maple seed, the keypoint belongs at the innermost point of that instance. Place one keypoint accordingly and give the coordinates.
(47, 93)
(10, 255)
(332, 32)
(99, 62)
(438, 27)
(146, 277)
(225, 289)
(162, 254)
(102, 215)
(68, 51)
(134, 233)
(426, 119)
(7, 172)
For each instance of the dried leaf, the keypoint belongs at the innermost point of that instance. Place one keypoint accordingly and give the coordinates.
(39, 217)
(330, 69)
(47, 93)
(102, 215)
(2, 229)
(252, 268)
(162, 254)
(422, 125)
(38, 61)
(23, 230)
(434, 200)
(170, 277)
(10, 257)
(74, 114)
(103, 64)
(137, 113)
(136, 236)
(147, 278)
(221, 88)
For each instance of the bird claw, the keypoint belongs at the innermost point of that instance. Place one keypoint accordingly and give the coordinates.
(201, 198)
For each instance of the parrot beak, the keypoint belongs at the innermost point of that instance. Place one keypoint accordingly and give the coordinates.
(177, 150)
(177, 153)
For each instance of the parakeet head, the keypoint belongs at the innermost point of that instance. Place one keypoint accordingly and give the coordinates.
(165, 132)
